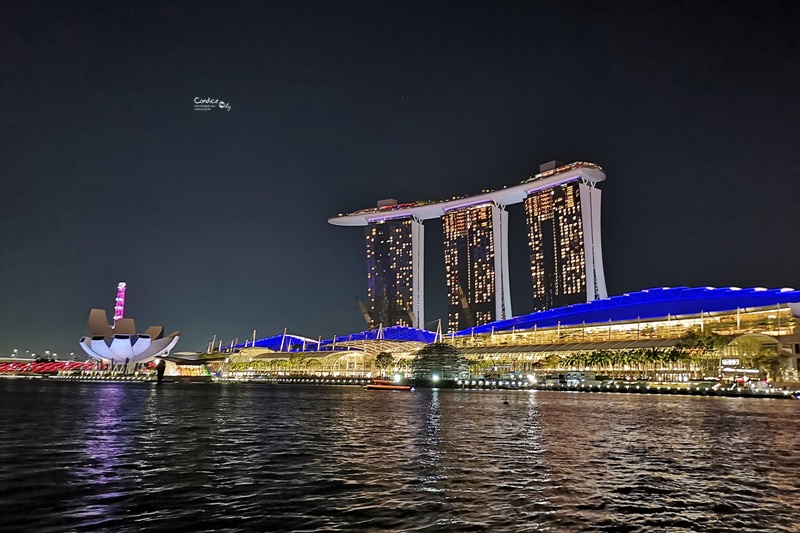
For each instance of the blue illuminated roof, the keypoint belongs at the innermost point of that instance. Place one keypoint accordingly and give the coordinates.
(294, 343)
(393, 333)
(278, 343)
(646, 304)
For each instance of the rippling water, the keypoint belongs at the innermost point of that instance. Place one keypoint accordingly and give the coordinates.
(128, 457)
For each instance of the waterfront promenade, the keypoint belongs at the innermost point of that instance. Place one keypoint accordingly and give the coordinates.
(618, 387)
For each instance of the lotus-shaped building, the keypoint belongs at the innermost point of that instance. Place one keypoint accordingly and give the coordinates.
(121, 344)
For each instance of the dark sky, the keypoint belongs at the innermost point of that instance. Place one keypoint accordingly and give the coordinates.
(218, 220)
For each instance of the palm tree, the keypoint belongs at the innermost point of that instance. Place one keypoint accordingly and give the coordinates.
(626, 360)
(604, 360)
(648, 358)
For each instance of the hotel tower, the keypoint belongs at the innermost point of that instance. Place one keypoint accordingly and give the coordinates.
(394, 275)
(564, 239)
(476, 265)
(390, 264)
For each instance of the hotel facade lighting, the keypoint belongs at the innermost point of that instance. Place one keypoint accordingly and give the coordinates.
(391, 284)
(565, 246)
(476, 265)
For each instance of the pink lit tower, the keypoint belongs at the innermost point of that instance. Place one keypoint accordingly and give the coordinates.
(119, 305)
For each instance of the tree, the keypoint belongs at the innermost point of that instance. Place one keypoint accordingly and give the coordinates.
(758, 351)
(384, 361)
(477, 367)
(770, 363)
(550, 362)
(298, 361)
(704, 340)
(441, 360)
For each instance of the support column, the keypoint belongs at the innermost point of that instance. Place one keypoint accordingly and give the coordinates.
(593, 257)
(418, 272)
(502, 286)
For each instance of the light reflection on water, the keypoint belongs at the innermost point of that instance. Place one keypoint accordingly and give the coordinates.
(127, 456)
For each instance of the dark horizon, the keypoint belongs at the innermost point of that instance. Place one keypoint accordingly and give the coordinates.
(217, 219)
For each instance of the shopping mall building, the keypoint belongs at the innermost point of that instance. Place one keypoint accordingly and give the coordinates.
(649, 334)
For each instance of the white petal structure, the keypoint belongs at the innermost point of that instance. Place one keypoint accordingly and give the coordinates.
(124, 344)
(142, 344)
(122, 347)
(98, 348)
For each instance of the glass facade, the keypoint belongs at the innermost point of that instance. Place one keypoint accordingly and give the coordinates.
(556, 240)
(390, 272)
(469, 266)
(776, 322)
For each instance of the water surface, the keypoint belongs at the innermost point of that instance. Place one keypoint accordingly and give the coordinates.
(136, 456)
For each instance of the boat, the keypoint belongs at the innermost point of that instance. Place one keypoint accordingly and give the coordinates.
(387, 384)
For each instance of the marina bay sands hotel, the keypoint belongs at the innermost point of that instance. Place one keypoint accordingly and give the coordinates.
(562, 208)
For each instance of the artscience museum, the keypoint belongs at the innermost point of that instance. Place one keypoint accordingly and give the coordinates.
(121, 344)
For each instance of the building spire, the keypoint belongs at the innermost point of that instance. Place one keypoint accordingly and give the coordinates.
(119, 304)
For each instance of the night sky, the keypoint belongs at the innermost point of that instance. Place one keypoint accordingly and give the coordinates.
(217, 220)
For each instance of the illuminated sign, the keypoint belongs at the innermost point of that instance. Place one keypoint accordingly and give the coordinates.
(730, 362)
(741, 370)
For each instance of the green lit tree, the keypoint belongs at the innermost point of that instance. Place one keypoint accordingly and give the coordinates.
(298, 362)
(443, 361)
